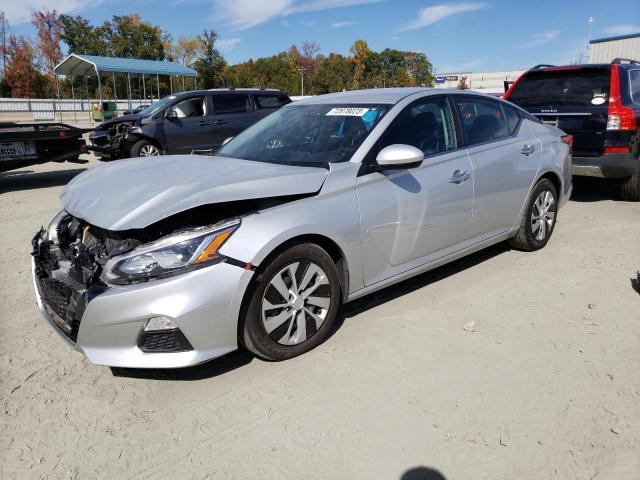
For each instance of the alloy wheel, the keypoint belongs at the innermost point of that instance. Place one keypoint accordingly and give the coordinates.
(543, 215)
(149, 151)
(296, 302)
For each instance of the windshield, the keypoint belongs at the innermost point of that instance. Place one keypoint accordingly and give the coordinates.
(300, 134)
(157, 106)
(579, 86)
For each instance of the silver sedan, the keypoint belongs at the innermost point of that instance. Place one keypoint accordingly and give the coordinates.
(171, 261)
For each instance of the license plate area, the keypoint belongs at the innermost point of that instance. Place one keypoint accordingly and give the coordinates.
(16, 149)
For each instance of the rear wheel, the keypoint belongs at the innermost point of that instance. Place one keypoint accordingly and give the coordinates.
(539, 218)
(630, 188)
(294, 303)
(145, 148)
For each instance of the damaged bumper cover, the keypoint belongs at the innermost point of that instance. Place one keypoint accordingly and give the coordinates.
(107, 324)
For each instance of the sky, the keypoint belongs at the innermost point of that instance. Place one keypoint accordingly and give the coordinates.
(477, 36)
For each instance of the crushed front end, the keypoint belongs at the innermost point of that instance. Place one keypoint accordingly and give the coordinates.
(110, 141)
(177, 319)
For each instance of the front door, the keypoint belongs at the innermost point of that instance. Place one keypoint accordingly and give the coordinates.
(414, 216)
(191, 130)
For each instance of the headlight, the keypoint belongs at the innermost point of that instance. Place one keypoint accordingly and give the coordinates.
(169, 255)
(52, 229)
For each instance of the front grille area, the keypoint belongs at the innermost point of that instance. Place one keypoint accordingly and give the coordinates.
(63, 304)
(163, 341)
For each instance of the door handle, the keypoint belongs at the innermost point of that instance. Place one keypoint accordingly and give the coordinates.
(459, 176)
(528, 150)
(203, 123)
(219, 122)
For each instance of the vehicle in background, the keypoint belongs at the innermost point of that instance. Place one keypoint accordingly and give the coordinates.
(185, 122)
(599, 105)
(25, 144)
(171, 261)
(138, 109)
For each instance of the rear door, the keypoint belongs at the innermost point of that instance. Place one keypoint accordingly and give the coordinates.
(505, 156)
(267, 103)
(574, 99)
(233, 113)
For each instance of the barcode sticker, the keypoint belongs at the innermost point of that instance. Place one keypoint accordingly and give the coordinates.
(347, 112)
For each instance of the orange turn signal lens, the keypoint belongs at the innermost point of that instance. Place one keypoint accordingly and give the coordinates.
(211, 251)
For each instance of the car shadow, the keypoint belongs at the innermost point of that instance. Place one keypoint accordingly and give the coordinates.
(422, 473)
(240, 358)
(26, 179)
(587, 189)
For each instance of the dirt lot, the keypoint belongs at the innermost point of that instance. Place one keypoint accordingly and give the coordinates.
(505, 365)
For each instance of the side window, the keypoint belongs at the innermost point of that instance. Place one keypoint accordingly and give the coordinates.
(513, 118)
(427, 125)
(271, 101)
(192, 107)
(232, 103)
(634, 82)
(482, 120)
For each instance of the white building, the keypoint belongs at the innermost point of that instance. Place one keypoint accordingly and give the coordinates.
(483, 82)
(604, 50)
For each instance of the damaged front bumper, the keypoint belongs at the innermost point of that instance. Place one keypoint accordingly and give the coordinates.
(108, 325)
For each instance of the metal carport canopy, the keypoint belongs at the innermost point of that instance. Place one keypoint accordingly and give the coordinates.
(92, 66)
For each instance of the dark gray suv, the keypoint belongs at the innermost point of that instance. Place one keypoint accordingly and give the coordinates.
(185, 122)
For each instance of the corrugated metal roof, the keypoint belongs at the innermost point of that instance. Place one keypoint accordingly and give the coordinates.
(90, 65)
(613, 39)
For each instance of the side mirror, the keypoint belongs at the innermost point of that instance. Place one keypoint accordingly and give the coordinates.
(227, 140)
(171, 114)
(399, 157)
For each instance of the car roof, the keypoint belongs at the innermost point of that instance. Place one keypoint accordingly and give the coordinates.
(273, 91)
(374, 95)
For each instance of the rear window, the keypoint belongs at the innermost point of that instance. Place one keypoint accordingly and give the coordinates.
(234, 103)
(579, 87)
(271, 101)
(634, 82)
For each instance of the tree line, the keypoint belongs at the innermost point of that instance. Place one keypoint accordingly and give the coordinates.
(28, 66)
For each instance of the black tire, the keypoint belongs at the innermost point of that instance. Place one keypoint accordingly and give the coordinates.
(526, 239)
(266, 345)
(138, 148)
(630, 188)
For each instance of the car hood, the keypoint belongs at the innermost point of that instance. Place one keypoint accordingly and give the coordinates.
(136, 193)
(130, 118)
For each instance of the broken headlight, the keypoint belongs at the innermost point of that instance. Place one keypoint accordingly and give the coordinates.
(170, 255)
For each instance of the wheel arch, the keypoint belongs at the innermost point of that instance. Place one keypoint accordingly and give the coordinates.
(554, 178)
(330, 246)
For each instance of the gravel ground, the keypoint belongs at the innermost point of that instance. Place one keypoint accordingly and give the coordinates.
(504, 365)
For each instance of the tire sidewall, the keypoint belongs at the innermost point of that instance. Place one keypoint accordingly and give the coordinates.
(135, 150)
(541, 186)
(256, 337)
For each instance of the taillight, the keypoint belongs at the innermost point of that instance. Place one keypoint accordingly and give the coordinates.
(568, 139)
(618, 117)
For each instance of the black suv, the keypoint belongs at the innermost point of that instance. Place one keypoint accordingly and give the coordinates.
(185, 122)
(599, 105)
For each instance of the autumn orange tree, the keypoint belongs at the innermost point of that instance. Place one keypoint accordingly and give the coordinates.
(48, 29)
(22, 73)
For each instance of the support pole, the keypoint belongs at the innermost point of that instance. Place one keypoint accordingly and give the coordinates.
(129, 89)
(182, 78)
(73, 98)
(158, 83)
(115, 91)
(86, 87)
(171, 84)
(100, 98)
(59, 104)
(144, 89)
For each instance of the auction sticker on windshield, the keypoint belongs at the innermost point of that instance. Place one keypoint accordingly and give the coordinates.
(347, 112)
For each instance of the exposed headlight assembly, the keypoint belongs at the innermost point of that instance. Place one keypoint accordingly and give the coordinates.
(170, 255)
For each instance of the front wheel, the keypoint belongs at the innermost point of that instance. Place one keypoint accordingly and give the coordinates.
(294, 303)
(539, 218)
(144, 148)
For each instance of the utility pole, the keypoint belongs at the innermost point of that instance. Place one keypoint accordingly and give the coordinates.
(588, 49)
(302, 70)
